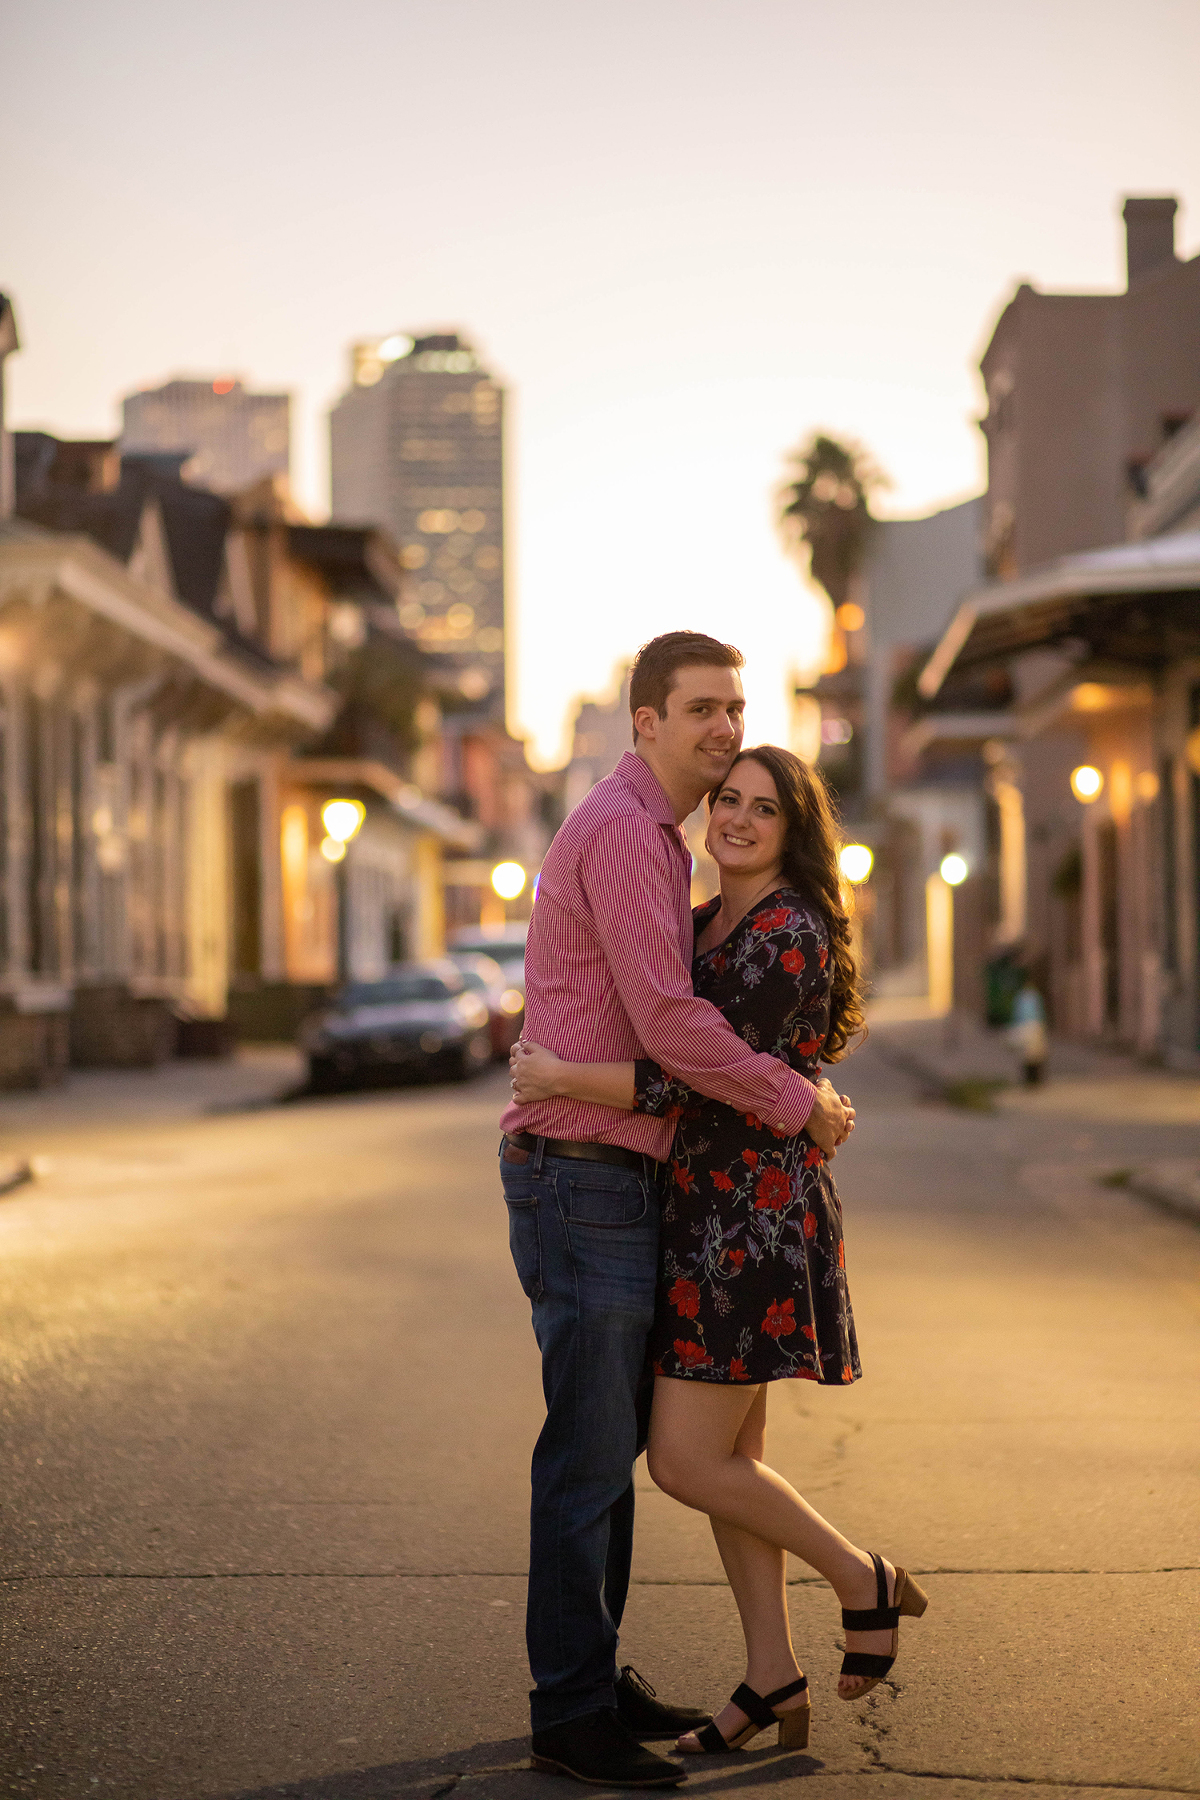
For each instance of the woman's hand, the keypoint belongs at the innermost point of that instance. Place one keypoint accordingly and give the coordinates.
(534, 1072)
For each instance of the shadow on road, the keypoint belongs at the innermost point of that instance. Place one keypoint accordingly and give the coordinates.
(503, 1766)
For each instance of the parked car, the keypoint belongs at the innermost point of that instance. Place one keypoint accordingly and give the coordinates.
(505, 1001)
(422, 1019)
(505, 944)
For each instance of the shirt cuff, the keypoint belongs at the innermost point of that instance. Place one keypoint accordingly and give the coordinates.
(797, 1097)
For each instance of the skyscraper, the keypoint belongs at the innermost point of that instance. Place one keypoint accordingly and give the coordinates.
(417, 446)
(235, 438)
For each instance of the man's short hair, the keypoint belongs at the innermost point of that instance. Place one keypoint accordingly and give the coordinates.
(658, 663)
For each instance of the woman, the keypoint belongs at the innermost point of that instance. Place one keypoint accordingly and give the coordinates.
(752, 1284)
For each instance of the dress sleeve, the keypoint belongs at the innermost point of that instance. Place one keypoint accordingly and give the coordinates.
(786, 967)
(659, 1094)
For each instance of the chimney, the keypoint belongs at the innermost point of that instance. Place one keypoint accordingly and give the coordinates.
(9, 342)
(1149, 234)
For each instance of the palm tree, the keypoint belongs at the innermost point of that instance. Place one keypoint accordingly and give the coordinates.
(826, 505)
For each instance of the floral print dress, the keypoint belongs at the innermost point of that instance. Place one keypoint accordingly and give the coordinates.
(752, 1270)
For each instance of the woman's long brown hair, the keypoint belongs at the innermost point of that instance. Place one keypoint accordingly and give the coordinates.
(810, 865)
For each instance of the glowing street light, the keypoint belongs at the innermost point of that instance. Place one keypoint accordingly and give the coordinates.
(953, 869)
(508, 880)
(855, 861)
(342, 818)
(1086, 783)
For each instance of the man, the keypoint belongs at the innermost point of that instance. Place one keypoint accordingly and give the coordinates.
(608, 979)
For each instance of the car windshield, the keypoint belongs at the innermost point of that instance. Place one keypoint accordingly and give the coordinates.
(395, 991)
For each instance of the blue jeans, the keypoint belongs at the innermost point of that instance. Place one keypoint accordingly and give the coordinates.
(584, 1238)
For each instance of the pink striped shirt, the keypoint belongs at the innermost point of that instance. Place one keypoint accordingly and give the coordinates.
(608, 973)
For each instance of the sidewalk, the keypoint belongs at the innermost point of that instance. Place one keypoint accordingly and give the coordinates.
(185, 1088)
(961, 1062)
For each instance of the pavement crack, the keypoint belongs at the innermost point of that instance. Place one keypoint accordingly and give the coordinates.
(879, 1767)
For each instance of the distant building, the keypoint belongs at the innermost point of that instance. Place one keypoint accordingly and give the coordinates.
(232, 439)
(418, 447)
(1083, 390)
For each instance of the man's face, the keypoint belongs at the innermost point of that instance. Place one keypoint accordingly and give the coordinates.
(700, 733)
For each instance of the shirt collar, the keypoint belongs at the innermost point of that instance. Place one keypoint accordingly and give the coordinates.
(640, 777)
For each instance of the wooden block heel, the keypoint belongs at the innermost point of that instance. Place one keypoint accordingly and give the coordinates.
(793, 1728)
(910, 1596)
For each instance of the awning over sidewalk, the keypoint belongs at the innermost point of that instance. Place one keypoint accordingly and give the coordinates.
(1131, 603)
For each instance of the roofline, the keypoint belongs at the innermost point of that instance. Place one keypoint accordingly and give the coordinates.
(1073, 578)
(98, 580)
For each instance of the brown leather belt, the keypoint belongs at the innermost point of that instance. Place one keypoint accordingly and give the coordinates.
(527, 1144)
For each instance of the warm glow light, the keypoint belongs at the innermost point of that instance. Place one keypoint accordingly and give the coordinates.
(341, 819)
(953, 869)
(850, 617)
(1146, 786)
(1086, 783)
(392, 348)
(508, 879)
(855, 862)
(512, 1001)
(332, 849)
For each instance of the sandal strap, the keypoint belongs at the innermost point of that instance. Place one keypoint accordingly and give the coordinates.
(880, 1617)
(754, 1706)
(859, 1662)
(785, 1693)
(876, 1618)
(710, 1739)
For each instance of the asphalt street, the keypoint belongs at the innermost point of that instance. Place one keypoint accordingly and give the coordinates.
(270, 1390)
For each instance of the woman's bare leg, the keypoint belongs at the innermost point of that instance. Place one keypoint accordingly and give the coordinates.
(693, 1456)
(757, 1574)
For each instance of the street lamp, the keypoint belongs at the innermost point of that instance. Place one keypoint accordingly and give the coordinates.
(341, 819)
(1086, 783)
(508, 880)
(855, 861)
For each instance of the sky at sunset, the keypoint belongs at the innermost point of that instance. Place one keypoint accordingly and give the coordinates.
(685, 235)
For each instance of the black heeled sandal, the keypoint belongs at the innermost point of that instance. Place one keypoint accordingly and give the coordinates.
(908, 1597)
(760, 1711)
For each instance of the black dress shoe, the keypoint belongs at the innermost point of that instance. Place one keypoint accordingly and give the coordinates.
(645, 1714)
(599, 1749)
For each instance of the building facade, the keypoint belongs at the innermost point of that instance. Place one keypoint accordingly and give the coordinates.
(1083, 390)
(417, 446)
(230, 438)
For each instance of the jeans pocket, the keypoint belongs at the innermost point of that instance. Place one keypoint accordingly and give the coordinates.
(606, 1202)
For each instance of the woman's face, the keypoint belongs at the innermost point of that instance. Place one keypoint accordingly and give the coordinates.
(747, 828)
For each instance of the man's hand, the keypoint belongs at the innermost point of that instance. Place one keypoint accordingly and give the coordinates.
(831, 1120)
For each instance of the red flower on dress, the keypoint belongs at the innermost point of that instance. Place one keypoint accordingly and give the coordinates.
(793, 961)
(779, 1321)
(841, 1254)
(847, 1373)
(750, 1158)
(692, 1356)
(682, 1177)
(737, 1369)
(823, 958)
(810, 1046)
(774, 1190)
(685, 1298)
(810, 1225)
(809, 1333)
(812, 1158)
(721, 1181)
(754, 1122)
(737, 1258)
(804, 1375)
(657, 1367)
(768, 921)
